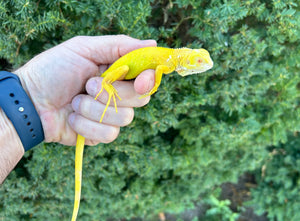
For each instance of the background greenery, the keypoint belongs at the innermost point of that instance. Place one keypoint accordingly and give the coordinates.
(196, 133)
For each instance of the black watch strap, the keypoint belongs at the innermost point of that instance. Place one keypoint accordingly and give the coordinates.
(20, 110)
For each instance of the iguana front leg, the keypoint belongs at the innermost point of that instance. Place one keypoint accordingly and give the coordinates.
(159, 71)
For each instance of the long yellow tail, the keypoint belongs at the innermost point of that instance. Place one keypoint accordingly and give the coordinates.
(78, 174)
(80, 147)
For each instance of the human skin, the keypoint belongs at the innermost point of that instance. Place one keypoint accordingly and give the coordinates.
(62, 85)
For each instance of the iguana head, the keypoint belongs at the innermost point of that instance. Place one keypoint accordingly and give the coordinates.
(193, 61)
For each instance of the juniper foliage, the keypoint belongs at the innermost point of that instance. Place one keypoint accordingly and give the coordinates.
(278, 182)
(195, 134)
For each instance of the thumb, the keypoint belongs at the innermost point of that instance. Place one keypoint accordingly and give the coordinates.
(105, 49)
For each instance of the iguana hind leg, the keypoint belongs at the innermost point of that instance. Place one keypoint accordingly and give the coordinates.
(109, 78)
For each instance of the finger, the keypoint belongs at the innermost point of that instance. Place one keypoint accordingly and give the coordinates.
(129, 97)
(106, 49)
(86, 106)
(144, 82)
(99, 133)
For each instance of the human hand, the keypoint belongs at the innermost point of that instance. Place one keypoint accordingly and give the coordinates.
(55, 80)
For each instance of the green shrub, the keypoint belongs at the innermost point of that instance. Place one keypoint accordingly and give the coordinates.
(279, 183)
(195, 134)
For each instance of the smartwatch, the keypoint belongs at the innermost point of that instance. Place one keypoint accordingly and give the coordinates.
(20, 110)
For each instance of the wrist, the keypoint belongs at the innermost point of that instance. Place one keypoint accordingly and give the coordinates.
(21, 73)
(11, 147)
(48, 119)
(9, 135)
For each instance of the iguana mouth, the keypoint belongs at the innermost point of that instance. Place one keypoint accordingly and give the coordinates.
(183, 71)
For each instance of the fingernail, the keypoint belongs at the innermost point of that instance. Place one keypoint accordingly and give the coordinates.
(75, 103)
(148, 42)
(91, 86)
(151, 83)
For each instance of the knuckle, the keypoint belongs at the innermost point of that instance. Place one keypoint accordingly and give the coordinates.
(84, 48)
(78, 39)
(123, 36)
